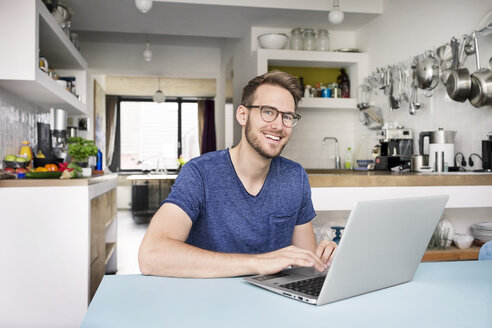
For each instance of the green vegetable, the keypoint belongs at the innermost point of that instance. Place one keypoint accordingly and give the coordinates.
(77, 170)
(80, 149)
(43, 175)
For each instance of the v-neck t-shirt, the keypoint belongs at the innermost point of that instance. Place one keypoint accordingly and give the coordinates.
(226, 218)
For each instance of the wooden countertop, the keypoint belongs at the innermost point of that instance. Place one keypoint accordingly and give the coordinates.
(346, 178)
(57, 182)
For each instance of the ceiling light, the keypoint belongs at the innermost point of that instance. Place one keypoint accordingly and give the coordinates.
(335, 16)
(147, 53)
(159, 96)
(143, 5)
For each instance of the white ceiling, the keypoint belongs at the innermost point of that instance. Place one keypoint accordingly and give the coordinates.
(195, 21)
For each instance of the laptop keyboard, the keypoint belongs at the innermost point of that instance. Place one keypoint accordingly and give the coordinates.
(311, 286)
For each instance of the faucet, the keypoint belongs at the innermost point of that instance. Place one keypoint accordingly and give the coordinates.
(337, 157)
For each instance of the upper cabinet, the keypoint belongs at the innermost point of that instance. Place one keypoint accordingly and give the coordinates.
(355, 65)
(28, 32)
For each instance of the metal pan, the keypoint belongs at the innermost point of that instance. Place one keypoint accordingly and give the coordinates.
(458, 84)
(481, 83)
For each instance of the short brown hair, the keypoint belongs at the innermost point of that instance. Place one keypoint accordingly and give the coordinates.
(281, 79)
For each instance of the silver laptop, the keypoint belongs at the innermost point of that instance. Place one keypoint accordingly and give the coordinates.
(382, 246)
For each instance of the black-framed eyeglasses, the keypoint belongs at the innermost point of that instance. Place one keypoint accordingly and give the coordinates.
(270, 114)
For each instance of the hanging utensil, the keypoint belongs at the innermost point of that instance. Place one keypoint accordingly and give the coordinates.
(427, 69)
(458, 84)
(447, 68)
(481, 82)
(414, 105)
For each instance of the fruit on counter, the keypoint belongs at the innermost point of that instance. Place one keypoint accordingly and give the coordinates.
(21, 159)
(40, 154)
(51, 167)
(9, 169)
(10, 158)
(41, 169)
(21, 170)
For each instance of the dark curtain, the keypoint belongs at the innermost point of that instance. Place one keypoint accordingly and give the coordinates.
(208, 143)
(111, 117)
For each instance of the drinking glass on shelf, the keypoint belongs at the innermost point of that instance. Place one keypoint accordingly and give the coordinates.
(296, 39)
(308, 39)
(323, 40)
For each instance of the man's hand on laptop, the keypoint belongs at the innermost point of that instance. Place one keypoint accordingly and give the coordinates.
(278, 260)
(326, 251)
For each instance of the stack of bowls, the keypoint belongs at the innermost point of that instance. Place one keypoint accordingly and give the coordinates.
(482, 232)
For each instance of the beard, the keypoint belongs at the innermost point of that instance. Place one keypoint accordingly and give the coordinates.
(264, 150)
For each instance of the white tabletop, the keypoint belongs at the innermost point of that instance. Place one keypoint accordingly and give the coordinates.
(446, 294)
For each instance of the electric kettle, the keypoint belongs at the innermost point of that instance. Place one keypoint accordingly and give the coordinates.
(440, 142)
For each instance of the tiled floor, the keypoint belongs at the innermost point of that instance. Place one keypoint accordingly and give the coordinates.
(129, 237)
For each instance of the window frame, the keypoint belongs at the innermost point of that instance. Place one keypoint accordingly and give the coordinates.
(116, 162)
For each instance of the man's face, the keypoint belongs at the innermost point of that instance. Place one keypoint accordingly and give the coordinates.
(269, 138)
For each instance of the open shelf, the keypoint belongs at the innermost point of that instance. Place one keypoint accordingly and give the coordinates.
(354, 63)
(39, 33)
(451, 254)
(349, 103)
(110, 248)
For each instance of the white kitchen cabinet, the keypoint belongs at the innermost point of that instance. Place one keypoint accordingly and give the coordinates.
(28, 30)
(58, 239)
(355, 65)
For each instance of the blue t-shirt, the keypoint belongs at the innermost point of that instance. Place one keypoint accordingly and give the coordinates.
(226, 218)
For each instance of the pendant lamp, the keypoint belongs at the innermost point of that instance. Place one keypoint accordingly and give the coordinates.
(335, 16)
(159, 96)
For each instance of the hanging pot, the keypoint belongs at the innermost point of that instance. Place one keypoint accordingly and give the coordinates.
(427, 72)
(458, 84)
(481, 83)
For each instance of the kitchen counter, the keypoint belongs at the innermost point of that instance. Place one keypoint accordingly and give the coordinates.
(348, 178)
(57, 182)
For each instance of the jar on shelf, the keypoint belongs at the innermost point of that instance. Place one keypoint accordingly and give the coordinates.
(309, 39)
(323, 40)
(296, 39)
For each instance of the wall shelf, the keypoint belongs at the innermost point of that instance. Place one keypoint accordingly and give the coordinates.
(354, 63)
(349, 103)
(39, 34)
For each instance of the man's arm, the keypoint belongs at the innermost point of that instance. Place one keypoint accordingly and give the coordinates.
(303, 237)
(163, 252)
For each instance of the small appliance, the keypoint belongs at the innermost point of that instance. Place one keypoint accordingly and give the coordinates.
(487, 153)
(439, 141)
(59, 133)
(395, 148)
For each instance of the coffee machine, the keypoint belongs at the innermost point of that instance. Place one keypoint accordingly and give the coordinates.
(395, 148)
(487, 153)
(59, 133)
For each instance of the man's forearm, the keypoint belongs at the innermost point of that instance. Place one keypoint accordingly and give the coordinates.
(177, 259)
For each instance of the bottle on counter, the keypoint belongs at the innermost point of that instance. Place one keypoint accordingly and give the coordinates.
(348, 159)
(99, 160)
(26, 151)
(344, 83)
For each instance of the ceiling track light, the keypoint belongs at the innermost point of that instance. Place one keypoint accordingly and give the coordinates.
(335, 16)
(143, 5)
(147, 53)
(159, 96)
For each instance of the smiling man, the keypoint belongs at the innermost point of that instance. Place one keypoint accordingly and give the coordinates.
(241, 211)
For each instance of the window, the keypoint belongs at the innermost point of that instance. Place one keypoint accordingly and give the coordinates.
(152, 135)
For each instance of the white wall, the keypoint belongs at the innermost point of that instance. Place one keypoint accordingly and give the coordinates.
(408, 28)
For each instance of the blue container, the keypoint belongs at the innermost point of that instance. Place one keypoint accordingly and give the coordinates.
(326, 93)
(99, 163)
